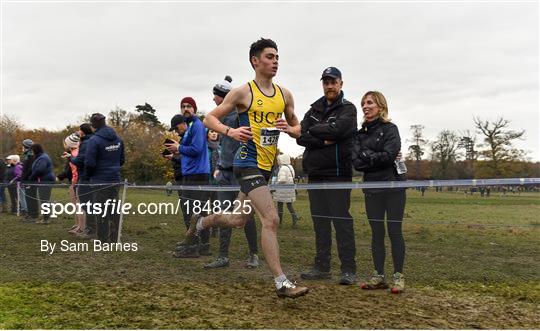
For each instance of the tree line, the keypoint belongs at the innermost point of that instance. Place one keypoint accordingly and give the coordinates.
(488, 152)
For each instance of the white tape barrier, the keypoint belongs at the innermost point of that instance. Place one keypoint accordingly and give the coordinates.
(330, 186)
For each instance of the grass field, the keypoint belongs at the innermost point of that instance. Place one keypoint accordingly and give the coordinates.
(471, 263)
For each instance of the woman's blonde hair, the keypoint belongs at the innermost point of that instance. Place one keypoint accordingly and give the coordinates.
(380, 100)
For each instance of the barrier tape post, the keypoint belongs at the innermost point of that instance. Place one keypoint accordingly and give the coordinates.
(120, 221)
(18, 198)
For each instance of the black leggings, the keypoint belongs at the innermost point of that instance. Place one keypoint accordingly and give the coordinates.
(290, 207)
(393, 205)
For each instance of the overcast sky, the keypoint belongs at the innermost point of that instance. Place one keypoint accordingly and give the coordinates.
(438, 64)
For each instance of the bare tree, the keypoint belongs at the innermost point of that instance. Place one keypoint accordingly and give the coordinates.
(445, 150)
(9, 126)
(120, 118)
(498, 142)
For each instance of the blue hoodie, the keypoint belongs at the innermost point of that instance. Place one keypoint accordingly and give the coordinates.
(42, 169)
(194, 149)
(104, 156)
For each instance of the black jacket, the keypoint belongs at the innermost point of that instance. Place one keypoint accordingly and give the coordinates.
(337, 123)
(66, 172)
(376, 146)
(28, 161)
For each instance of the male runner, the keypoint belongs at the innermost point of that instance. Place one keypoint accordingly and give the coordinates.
(260, 104)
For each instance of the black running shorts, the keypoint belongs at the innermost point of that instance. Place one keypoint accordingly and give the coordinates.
(251, 178)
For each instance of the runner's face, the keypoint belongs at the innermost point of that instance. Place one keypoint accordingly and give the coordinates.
(331, 88)
(187, 109)
(266, 64)
(218, 100)
(370, 109)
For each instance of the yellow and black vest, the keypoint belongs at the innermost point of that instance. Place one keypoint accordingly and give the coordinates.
(261, 114)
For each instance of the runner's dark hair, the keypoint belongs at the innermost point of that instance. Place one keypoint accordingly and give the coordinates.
(258, 46)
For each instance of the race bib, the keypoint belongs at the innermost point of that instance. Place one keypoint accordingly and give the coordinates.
(269, 136)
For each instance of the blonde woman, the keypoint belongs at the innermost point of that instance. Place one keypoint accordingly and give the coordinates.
(375, 150)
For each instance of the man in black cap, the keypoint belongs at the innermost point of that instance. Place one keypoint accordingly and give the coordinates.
(327, 133)
(195, 171)
(175, 157)
(102, 162)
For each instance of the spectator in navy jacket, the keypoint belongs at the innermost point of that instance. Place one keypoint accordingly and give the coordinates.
(104, 156)
(195, 169)
(42, 173)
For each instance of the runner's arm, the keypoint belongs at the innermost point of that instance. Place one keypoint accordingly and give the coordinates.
(231, 101)
(290, 125)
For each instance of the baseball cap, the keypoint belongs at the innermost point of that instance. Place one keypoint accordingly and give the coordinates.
(177, 119)
(332, 72)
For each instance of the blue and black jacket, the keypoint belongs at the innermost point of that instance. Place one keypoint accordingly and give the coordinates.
(194, 149)
(335, 123)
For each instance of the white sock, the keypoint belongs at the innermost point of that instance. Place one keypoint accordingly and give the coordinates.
(199, 225)
(279, 280)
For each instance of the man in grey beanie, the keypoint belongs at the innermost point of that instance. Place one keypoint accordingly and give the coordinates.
(28, 196)
(224, 176)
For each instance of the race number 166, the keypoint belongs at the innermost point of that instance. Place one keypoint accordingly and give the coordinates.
(218, 207)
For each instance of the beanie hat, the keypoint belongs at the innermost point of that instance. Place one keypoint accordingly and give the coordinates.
(97, 120)
(14, 157)
(27, 143)
(72, 141)
(190, 101)
(222, 88)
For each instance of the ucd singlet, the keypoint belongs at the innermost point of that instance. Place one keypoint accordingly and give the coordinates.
(261, 114)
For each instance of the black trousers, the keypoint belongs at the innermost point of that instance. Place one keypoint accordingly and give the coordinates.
(190, 197)
(290, 207)
(332, 207)
(226, 177)
(12, 190)
(32, 200)
(392, 205)
(108, 220)
(43, 195)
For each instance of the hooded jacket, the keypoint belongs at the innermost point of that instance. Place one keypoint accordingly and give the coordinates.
(194, 149)
(42, 169)
(18, 172)
(104, 156)
(285, 176)
(376, 147)
(336, 123)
